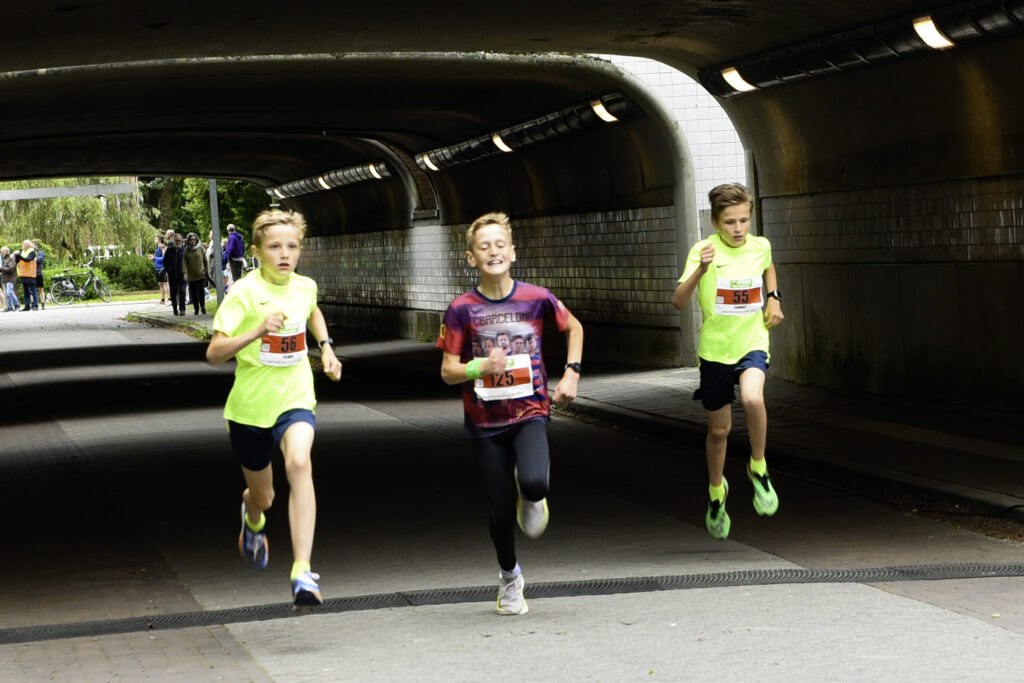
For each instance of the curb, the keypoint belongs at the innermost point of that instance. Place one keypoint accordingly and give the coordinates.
(884, 484)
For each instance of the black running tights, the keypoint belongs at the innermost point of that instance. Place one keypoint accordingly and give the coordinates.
(524, 447)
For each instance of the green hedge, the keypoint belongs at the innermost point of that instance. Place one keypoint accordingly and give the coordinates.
(128, 273)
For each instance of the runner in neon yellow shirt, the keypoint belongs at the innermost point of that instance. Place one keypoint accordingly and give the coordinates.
(737, 289)
(262, 324)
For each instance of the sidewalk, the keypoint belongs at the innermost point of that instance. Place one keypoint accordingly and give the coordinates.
(954, 458)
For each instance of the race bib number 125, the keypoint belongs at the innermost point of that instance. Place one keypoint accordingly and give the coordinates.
(515, 382)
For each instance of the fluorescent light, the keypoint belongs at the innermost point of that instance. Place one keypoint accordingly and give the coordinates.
(323, 183)
(733, 78)
(499, 143)
(373, 171)
(280, 195)
(429, 163)
(931, 34)
(602, 113)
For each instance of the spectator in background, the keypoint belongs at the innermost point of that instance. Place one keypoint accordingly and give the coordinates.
(197, 270)
(26, 260)
(8, 276)
(158, 263)
(236, 252)
(175, 269)
(40, 285)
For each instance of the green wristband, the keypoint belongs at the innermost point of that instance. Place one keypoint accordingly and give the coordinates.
(473, 368)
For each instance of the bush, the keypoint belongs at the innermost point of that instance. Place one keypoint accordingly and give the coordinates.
(128, 273)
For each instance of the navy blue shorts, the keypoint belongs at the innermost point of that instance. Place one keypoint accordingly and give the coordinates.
(718, 380)
(254, 446)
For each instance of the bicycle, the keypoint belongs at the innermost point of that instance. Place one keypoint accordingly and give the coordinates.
(64, 289)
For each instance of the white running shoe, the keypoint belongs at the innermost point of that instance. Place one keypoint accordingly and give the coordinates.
(532, 516)
(510, 596)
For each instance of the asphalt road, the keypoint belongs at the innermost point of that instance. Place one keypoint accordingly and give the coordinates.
(119, 500)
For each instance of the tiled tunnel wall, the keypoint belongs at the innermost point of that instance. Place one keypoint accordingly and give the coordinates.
(615, 271)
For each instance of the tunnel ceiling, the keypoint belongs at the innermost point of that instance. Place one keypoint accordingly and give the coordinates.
(695, 33)
(273, 92)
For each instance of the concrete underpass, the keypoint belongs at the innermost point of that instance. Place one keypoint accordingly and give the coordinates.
(888, 177)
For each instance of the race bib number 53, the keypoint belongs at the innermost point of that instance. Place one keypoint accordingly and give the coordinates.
(283, 348)
(515, 382)
(738, 297)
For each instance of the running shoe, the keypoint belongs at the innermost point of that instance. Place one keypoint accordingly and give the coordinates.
(305, 590)
(253, 545)
(717, 519)
(510, 596)
(532, 516)
(766, 501)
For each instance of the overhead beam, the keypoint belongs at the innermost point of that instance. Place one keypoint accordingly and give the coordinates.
(75, 191)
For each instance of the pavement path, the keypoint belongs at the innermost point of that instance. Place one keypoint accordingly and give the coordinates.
(125, 507)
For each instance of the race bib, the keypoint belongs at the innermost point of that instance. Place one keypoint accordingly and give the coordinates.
(515, 382)
(738, 297)
(281, 349)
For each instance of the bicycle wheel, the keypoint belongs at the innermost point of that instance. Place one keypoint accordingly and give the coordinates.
(101, 289)
(60, 293)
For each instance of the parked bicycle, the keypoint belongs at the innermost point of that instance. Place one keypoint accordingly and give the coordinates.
(65, 289)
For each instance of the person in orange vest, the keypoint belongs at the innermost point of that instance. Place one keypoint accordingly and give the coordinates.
(26, 260)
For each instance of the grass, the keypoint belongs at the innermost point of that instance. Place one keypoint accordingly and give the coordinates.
(134, 296)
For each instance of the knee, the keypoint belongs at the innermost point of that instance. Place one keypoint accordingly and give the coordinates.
(261, 498)
(753, 403)
(719, 432)
(298, 465)
(533, 489)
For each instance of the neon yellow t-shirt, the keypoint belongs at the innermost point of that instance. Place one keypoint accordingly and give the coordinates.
(731, 298)
(273, 373)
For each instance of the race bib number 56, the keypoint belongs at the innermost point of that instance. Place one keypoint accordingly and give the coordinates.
(281, 348)
(515, 382)
(738, 297)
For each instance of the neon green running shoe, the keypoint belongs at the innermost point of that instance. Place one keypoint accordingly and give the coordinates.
(766, 501)
(717, 519)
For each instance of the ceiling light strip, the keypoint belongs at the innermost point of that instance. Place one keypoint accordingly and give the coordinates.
(331, 179)
(600, 111)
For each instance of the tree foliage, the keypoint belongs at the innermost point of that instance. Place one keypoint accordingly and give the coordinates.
(238, 202)
(72, 224)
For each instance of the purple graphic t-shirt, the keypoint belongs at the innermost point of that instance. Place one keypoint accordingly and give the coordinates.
(474, 324)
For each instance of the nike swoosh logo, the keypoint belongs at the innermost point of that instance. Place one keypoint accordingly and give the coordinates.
(264, 303)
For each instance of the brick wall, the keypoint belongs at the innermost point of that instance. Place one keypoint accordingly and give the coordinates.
(912, 290)
(616, 271)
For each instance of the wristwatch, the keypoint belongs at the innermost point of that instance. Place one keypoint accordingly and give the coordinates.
(325, 341)
(574, 366)
(775, 294)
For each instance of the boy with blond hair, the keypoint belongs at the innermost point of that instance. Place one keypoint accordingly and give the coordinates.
(262, 323)
(505, 395)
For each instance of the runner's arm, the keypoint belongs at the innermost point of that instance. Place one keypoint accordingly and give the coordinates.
(685, 290)
(318, 326)
(566, 389)
(773, 307)
(222, 347)
(453, 370)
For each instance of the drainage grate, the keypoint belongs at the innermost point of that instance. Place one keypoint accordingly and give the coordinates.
(558, 589)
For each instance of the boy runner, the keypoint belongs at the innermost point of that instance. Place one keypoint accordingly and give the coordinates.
(505, 396)
(728, 271)
(262, 324)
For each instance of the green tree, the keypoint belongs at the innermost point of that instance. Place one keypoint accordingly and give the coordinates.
(238, 202)
(72, 224)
